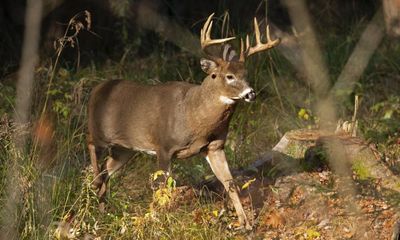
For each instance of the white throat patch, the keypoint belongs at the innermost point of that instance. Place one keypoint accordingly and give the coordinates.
(226, 100)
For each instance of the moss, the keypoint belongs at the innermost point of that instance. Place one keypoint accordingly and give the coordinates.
(361, 170)
(295, 150)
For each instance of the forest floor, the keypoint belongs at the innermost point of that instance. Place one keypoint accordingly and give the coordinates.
(313, 204)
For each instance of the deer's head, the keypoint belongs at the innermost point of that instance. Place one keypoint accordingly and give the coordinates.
(228, 71)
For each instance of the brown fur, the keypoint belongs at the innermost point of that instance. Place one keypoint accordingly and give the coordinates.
(174, 119)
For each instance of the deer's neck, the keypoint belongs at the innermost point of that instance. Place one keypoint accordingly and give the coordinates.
(207, 111)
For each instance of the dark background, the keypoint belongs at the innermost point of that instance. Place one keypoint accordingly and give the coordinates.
(116, 25)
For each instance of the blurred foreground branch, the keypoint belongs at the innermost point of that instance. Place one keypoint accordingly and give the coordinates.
(391, 10)
(370, 39)
(10, 212)
(358, 61)
(317, 74)
(170, 30)
(314, 67)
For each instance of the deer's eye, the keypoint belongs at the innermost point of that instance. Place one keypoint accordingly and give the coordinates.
(213, 76)
(230, 78)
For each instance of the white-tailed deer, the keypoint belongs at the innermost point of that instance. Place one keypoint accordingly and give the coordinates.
(174, 119)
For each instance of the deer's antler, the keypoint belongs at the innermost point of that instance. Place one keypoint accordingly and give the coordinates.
(247, 50)
(205, 39)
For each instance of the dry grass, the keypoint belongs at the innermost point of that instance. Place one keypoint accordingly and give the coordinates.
(57, 200)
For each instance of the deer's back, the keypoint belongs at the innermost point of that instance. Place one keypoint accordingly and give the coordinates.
(136, 116)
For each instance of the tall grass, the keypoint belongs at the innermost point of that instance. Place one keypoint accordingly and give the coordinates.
(58, 201)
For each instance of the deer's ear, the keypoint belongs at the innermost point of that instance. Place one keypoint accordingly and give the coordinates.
(207, 65)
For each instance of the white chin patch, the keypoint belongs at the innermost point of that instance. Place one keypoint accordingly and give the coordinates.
(226, 100)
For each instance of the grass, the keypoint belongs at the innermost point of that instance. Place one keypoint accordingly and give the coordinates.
(64, 192)
(361, 170)
(58, 201)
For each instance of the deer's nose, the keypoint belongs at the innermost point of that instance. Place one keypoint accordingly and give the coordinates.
(250, 95)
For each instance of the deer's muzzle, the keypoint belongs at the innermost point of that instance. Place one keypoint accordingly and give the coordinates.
(248, 95)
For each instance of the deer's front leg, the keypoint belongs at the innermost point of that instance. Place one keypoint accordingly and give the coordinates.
(217, 160)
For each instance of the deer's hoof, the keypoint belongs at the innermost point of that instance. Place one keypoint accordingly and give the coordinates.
(248, 227)
(95, 186)
(97, 182)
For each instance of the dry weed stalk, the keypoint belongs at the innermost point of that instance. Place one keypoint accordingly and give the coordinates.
(19, 210)
(75, 25)
(81, 21)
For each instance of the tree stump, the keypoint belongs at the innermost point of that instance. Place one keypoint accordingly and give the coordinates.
(306, 149)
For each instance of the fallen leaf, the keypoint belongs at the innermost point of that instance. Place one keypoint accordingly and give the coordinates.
(247, 184)
(274, 220)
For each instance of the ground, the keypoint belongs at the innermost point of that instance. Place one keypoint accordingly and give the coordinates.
(313, 204)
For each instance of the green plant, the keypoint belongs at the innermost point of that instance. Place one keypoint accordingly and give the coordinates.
(361, 170)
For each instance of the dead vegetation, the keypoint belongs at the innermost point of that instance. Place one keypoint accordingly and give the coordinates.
(295, 190)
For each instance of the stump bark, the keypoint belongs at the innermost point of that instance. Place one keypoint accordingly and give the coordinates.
(306, 150)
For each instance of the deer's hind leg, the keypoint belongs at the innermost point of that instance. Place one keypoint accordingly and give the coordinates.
(118, 157)
(95, 153)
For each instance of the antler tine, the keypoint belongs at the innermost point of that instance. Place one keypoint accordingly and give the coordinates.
(204, 31)
(247, 43)
(205, 38)
(259, 45)
(244, 48)
(242, 51)
(257, 32)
